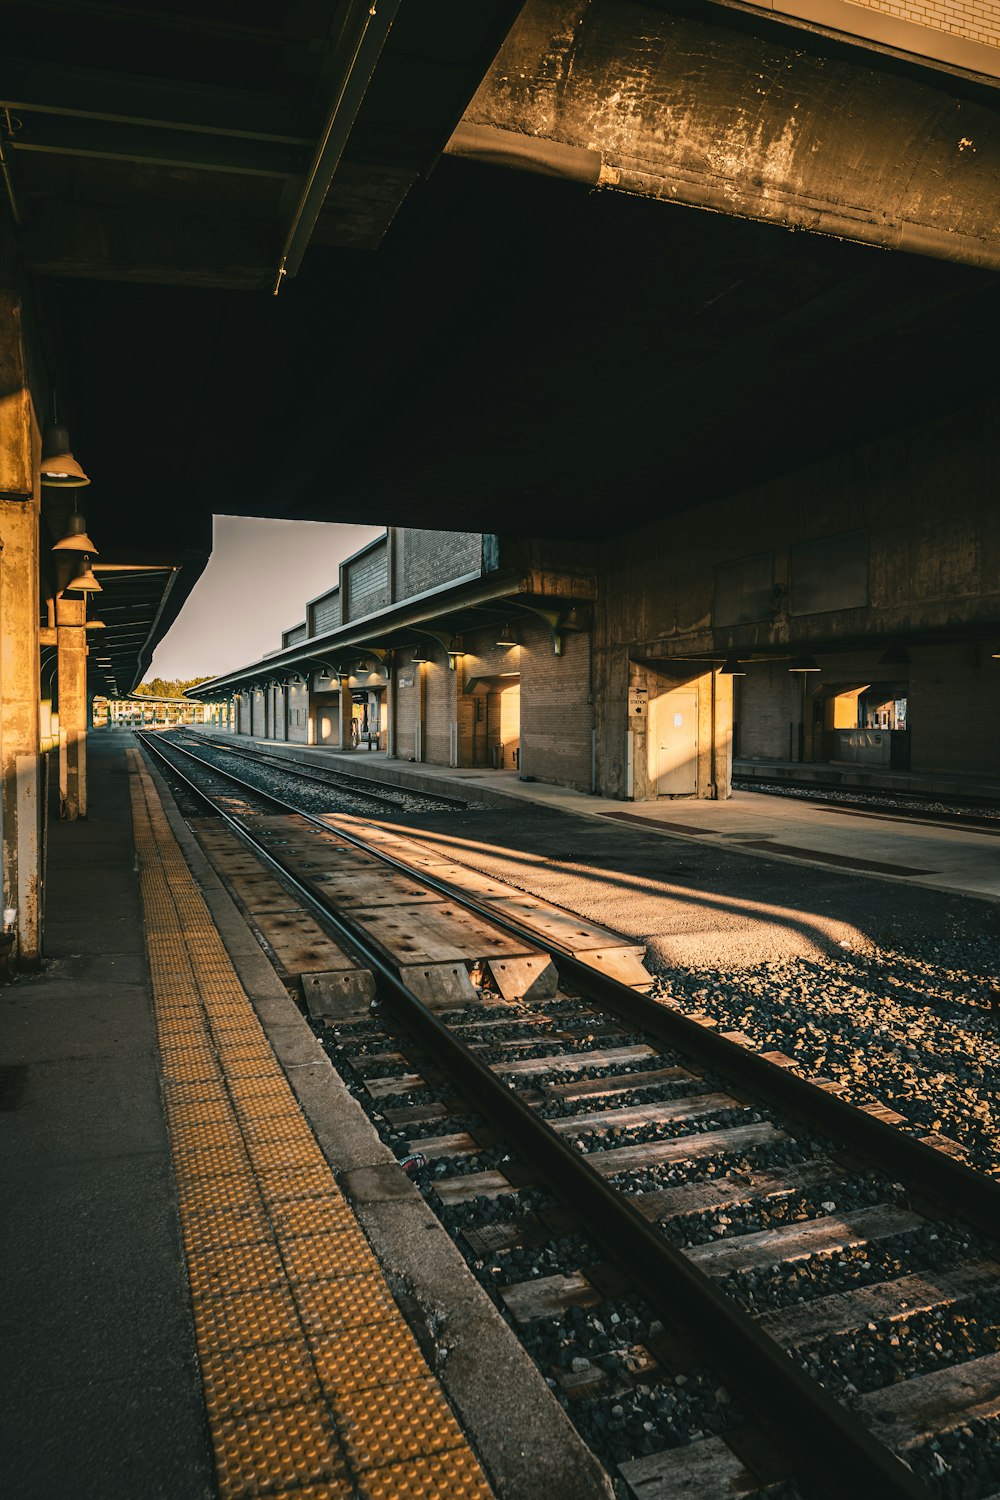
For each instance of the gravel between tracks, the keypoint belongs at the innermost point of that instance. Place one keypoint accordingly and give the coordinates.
(859, 798)
(890, 990)
(915, 1031)
(319, 798)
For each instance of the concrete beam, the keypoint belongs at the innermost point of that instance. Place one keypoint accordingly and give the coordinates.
(346, 714)
(745, 118)
(20, 690)
(73, 717)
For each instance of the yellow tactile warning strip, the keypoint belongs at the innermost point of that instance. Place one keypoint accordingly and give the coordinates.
(314, 1386)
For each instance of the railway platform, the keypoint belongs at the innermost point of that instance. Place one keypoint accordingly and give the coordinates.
(206, 1243)
(221, 1281)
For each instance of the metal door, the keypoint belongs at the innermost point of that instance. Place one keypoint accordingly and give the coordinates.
(674, 744)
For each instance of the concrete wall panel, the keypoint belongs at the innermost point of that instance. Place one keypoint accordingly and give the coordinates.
(954, 708)
(925, 501)
(557, 713)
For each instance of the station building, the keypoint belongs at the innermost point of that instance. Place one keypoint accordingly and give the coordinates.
(847, 624)
(451, 648)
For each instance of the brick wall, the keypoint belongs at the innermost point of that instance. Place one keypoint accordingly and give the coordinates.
(324, 613)
(977, 20)
(367, 582)
(441, 710)
(426, 559)
(556, 714)
(325, 709)
(407, 709)
(768, 710)
(298, 713)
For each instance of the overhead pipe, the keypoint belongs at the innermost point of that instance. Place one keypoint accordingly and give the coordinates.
(349, 92)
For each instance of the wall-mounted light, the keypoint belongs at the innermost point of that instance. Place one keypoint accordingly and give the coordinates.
(420, 653)
(895, 656)
(96, 625)
(455, 651)
(506, 637)
(731, 667)
(804, 664)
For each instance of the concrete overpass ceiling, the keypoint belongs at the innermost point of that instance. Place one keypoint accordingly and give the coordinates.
(157, 159)
(520, 353)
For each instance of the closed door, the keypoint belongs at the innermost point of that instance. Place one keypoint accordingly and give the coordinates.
(674, 745)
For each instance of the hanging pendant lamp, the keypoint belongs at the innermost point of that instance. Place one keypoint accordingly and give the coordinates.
(58, 466)
(83, 581)
(75, 538)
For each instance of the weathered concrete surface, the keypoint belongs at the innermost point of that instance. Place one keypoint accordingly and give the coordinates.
(20, 810)
(71, 614)
(920, 508)
(792, 128)
(100, 1394)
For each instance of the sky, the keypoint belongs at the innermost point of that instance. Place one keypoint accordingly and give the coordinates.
(256, 584)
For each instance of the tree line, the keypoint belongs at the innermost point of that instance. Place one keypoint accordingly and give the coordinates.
(174, 687)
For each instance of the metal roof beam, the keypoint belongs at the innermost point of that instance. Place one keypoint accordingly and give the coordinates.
(359, 48)
(104, 140)
(198, 22)
(88, 93)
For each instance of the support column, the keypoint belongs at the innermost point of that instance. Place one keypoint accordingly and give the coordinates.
(421, 735)
(391, 707)
(346, 714)
(20, 762)
(71, 640)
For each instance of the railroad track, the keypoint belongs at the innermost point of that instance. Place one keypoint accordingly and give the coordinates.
(358, 786)
(908, 807)
(770, 1224)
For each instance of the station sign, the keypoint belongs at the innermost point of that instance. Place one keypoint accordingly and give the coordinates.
(638, 699)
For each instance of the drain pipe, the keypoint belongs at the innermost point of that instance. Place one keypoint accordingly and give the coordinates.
(713, 785)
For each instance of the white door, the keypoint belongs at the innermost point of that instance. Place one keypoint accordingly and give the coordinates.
(673, 744)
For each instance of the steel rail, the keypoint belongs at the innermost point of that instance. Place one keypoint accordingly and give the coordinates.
(930, 1173)
(947, 816)
(320, 774)
(301, 775)
(817, 1436)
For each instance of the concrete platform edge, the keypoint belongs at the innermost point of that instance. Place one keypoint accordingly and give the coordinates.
(529, 1446)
